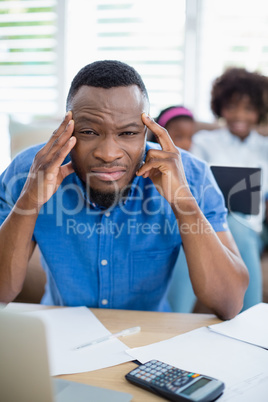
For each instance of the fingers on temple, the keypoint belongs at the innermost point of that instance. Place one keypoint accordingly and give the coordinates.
(61, 134)
(161, 133)
(60, 154)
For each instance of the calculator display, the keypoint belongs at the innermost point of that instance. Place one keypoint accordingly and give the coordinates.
(195, 386)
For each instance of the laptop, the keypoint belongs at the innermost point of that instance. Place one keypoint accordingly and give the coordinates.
(241, 188)
(24, 368)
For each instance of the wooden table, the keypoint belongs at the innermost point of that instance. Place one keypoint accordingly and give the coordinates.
(155, 327)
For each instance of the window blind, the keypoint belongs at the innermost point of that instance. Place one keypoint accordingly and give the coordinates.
(147, 35)
(28, 63)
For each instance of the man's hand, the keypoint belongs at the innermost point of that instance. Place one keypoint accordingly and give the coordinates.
(46, 173)
(164, 167)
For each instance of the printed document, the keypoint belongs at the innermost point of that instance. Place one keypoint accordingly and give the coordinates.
(250, 326)
(67, 328)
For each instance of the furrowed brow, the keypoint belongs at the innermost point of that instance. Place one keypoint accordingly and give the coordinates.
(131, 125)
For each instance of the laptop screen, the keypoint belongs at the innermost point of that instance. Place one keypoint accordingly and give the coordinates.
(241, 188)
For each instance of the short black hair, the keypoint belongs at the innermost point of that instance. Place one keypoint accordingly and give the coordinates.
(106, 74)
(240, 82)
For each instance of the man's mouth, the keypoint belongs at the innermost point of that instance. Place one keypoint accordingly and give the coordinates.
(108, 174)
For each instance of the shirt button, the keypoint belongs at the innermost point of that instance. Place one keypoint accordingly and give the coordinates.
(104, 302)
(104, 262)
(107, 214)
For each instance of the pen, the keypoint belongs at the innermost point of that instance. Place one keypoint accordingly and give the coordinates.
(125, 332)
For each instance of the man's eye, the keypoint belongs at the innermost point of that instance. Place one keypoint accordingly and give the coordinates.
(87, 132)
(128, 133)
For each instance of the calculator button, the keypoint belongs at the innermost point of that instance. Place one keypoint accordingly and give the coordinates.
(195, 375)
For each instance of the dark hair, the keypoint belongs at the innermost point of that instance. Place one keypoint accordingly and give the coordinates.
(240, 82)
(106, 74)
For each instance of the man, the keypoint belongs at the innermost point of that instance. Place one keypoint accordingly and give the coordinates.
(90, 199)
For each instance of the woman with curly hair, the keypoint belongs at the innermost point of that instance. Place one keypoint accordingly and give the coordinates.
(240, 98)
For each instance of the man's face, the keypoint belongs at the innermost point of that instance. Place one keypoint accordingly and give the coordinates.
(240, 115)
(110, 136)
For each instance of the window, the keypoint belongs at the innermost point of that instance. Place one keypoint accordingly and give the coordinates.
(144, 34)
(178, 47)
(230, 33)
(28, 65)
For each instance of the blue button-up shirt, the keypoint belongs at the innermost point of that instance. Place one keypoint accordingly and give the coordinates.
(121, 258)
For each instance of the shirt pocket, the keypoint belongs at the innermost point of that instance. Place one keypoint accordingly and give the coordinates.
(150, 270)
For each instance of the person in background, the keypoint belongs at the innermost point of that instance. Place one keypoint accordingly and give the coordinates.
(240, 98)
(180, 124)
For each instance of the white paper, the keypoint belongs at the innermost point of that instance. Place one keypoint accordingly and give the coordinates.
(241, 366)
(67, 328)
(250, 326)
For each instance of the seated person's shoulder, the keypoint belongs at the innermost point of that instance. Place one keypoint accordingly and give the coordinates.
(23, 161)
(15, 175)
(262, 139)
(208, 135)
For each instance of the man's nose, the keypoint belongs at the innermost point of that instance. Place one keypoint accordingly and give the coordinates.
(108, 150)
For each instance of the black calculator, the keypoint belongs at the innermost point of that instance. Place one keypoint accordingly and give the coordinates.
(175, 384)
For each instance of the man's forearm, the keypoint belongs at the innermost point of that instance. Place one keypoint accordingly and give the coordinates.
(16, 247)
(45, 176)
(218, 274)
